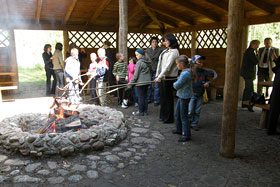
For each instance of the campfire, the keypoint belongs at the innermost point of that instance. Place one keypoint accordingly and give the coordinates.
(62, 118)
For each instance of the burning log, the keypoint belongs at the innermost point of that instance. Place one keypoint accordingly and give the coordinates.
(61, 120)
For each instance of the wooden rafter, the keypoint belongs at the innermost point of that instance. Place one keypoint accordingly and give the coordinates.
(69, 12)
(164, 11)
(98, 11)
(146, 23)
(218, 3)
(198, 9)
(38, 12)
(150, 13)
(263, 5)
(6, 10)
(167, 20)
(134, 12)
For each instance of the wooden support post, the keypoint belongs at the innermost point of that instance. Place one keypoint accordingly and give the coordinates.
(193, 43)
(13, 57)
(123, 27)
(243, 48)
(65, 42)
(233, 56)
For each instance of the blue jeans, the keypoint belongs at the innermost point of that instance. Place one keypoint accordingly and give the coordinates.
(134, 94)
(142, 99)
(182, 119)
(156, 91)
(195, 108)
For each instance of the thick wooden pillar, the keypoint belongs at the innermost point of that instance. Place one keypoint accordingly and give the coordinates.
(193, 43)
(123, 27)
(65, 42)
(244, 46)
(13, 56)
(233, 56)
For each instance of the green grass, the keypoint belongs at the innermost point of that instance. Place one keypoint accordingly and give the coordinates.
(35, 75)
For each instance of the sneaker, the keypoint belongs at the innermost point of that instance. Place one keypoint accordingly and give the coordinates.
(181, 139)
(135, 113)
(136, 104)
(124, 106)
(125, 102)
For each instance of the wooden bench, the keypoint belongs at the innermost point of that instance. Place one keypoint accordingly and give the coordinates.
(214, 89)
(6, 88)
(265, 109)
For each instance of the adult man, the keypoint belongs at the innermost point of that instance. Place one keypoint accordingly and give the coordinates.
(266, 56)
(154, 53)
(248, 71)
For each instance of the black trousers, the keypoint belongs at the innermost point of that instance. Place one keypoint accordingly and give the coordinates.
(248, 90)
(121, 91)
(59, 81)
(166, 101)
(50, 89)
(274, 111)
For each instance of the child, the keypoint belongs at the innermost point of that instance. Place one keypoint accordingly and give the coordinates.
(102, 76)
(142, 74)
(92, 73)
(121, 74)
(131, 69)
(184, 92)
(199, 89)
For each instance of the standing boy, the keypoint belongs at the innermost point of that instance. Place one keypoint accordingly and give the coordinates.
(199, 86)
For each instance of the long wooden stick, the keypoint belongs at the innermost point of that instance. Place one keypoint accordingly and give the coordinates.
(86, 84)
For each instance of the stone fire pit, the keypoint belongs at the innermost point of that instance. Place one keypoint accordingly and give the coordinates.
(105, 126)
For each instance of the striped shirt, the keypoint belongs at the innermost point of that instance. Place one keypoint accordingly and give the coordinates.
(120, 69)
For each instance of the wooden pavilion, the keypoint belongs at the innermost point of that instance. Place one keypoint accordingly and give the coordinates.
(217, 29)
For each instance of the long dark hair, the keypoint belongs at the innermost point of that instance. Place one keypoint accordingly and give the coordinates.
(46, 47)
(188, 63)
(173, 41)
(58, 46)
(133, 59)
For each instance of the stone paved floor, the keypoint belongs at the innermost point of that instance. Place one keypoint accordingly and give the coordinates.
(157, 159)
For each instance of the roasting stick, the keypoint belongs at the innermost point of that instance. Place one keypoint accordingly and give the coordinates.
(86, 84)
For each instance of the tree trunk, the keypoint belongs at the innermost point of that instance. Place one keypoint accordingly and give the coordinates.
(65, 42)
(193, 43)
(123, 27)
(233, 56)
(13, 57)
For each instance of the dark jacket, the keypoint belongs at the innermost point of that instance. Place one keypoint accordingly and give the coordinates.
(154, 55)
(142, 72)
(47, 60)
(248, 68)
(202, 78)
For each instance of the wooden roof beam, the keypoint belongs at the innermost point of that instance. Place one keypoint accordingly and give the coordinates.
(220, 4)
(165, 11)
(150, 13)
(134, 12)
(69, 12)
(145, 23)
(38, 12)
(168, 21)
(198, 9)
(6, 10)
(98, 11)
(263, 6)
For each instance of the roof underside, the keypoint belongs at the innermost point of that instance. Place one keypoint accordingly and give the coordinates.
(149, 15)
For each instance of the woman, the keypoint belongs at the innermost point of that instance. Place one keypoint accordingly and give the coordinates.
(142, 74)
(166, 75)
(47, 57)
(58, 67)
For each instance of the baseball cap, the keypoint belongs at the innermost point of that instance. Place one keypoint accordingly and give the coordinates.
(196, 57)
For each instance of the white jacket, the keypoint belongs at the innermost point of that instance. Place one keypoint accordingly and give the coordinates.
(167, 64)
(72, 68)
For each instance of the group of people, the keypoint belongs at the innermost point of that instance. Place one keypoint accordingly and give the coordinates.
(154, 72)
(263, 63)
